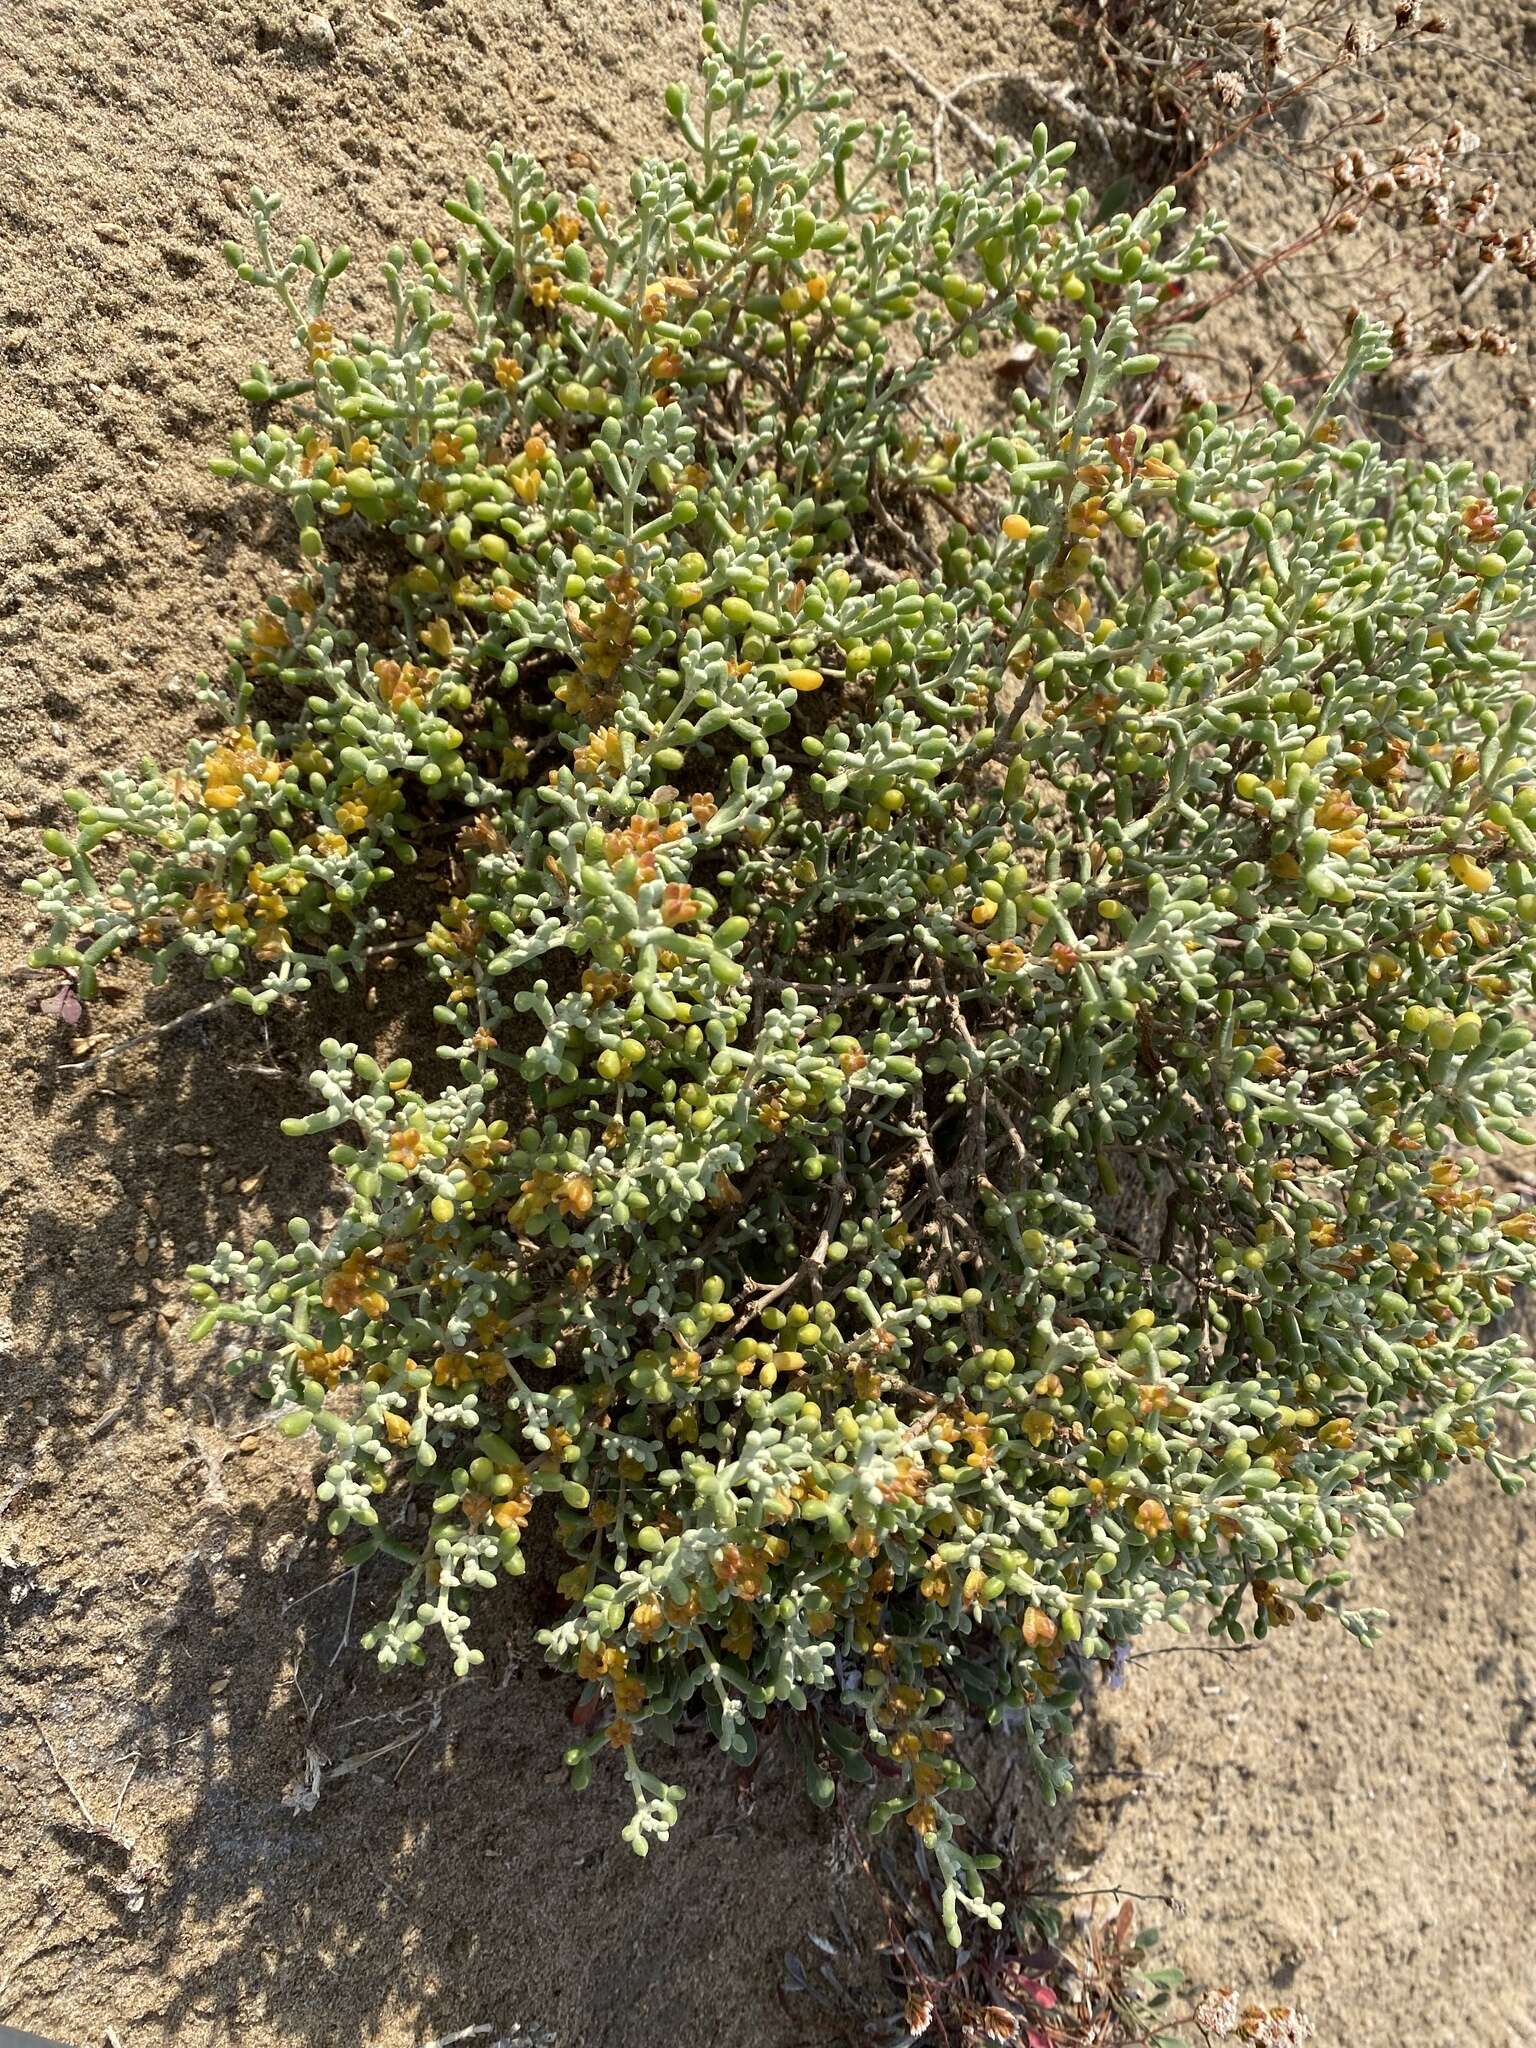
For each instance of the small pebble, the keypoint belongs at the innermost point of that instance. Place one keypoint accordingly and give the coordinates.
(317, 35)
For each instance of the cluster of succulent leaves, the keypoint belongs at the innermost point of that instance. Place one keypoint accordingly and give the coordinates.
(972, 966)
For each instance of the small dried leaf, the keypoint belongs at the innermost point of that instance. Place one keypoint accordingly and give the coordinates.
(63, 1004)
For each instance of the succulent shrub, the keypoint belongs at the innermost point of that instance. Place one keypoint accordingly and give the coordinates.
(974, 964)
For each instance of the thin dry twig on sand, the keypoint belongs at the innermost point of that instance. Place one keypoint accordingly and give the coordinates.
(1192, 1650)
(303, 1796)
(1059, 94)
(131, 1884)
(208, 1009)
(81, 1808)
(110, 1052)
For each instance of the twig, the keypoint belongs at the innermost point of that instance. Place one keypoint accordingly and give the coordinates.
(1470, 291)
(1193, 1650)
(1060, 95)
(309, 1711)
(110, 1052)
(1267, 109)
(214, 1455)
(53, 1756)
(464, 2034)
(1115, 1891)
(324, 1586)
(945, 102)
(133, 1771)
(1120, 1771)
(321, 1770)
(208, 1009)
(346, 1627)
(813, 1261)
(105, 1420)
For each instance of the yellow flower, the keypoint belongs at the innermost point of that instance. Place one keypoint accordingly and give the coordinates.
(570, 1193)
(354, 1285)
(228, 766)
(406, 1148)
(602, 754)
(452, 1369)
(326, 1366)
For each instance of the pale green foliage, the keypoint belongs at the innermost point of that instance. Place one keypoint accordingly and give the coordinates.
(965, 962)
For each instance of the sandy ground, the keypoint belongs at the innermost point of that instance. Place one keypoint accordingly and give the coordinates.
(1356, 1832)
